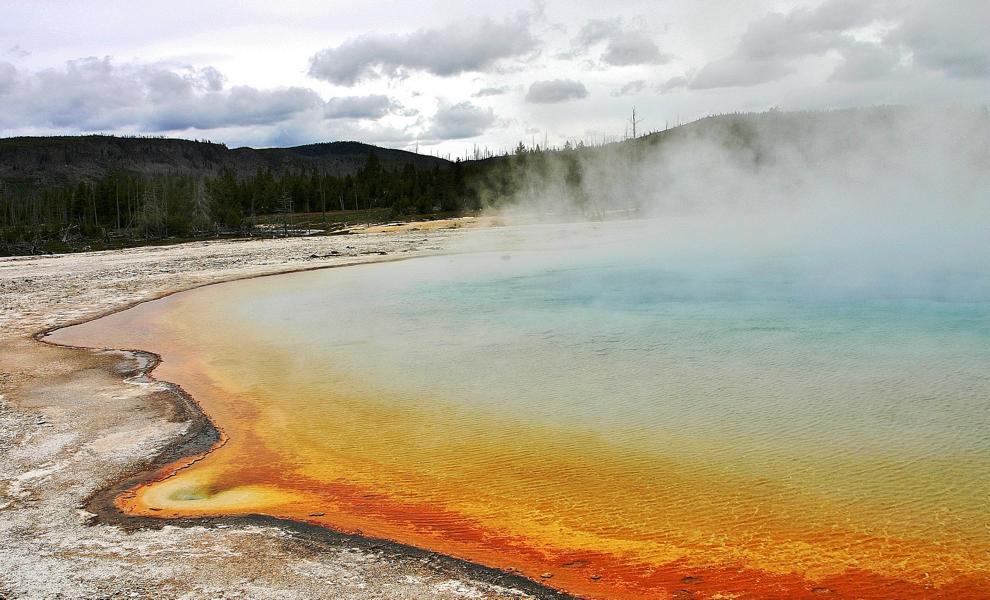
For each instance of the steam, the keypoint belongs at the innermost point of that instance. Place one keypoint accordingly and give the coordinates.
(888, 202)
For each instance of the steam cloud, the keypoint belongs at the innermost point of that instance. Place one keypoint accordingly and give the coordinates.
(888, 202)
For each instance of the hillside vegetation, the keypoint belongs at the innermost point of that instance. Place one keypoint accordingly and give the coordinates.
(76, 193)
(69, 160)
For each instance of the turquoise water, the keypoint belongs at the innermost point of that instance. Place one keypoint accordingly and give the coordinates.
(618, 344)
(768, 367)
(644, 407)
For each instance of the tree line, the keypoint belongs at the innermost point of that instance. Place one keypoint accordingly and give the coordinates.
(139, 207)
(135, 207)
(575, 180)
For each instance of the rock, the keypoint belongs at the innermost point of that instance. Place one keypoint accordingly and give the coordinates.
(546, 575)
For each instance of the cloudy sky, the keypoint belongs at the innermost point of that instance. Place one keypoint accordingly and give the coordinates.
(448, 76)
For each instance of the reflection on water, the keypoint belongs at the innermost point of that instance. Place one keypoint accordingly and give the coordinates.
(616, 426)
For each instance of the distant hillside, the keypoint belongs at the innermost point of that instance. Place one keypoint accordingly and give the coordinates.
(68, 193)
(69, 160)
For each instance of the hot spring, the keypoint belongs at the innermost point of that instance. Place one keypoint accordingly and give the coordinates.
(613, 422)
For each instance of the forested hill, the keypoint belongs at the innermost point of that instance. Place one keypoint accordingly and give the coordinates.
(70, 160)
(69, 193)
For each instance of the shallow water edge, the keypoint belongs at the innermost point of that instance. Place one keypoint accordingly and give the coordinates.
(203, 436)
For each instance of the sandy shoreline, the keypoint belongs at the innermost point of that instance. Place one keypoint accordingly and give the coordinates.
(76, 425)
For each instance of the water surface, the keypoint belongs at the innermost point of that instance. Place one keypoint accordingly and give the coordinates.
(615, 426)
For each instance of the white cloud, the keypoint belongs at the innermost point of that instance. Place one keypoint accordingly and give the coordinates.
(674, 83)
(17, 51)
(623, 46)
(948, 37)
(555, 90)
(209, 78)
(865, 62)
(630, 88)
(358, 107)
(798, 54)
(456, 48)
(633, 48)
(771, 45)
(491, 91)
(8, 76)
(459, 121)
(99, 95)
(734, 72)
